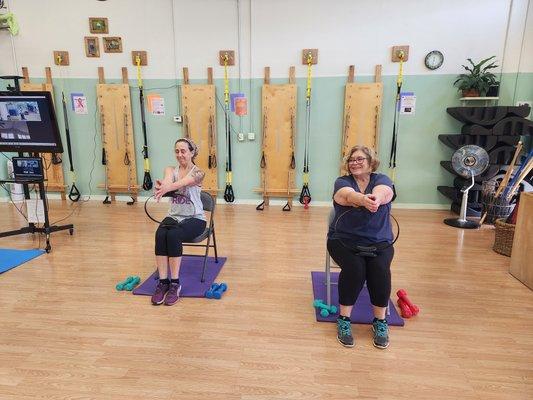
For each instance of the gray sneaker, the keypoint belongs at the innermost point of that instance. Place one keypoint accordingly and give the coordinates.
(344, 333)
(381, 333)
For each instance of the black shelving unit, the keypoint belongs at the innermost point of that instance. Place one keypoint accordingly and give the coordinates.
(497, 129)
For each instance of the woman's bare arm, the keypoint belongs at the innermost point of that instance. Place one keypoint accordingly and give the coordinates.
(347, 196)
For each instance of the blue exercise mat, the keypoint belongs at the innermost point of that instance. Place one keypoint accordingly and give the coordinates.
(11, 258)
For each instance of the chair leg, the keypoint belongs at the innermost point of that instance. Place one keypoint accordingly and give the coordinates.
(215, 245)
(328, 278)
(205, 258)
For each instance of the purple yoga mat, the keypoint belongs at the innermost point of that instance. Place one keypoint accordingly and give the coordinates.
(190, 275)
(362, 312)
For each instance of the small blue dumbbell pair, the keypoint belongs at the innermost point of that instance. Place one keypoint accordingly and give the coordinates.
(129, 283)
(325, 310)
(216, 290)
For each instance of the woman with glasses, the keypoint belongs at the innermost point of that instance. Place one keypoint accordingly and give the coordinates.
(360, 241)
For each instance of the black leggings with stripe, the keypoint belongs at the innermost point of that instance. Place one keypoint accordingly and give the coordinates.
(355, 270)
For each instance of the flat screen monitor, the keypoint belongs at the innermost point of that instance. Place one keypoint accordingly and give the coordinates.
(28, 123)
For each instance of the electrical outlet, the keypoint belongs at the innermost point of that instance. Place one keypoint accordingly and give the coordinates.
(251, 136)
(529, 102)
(240, 137)
(178, 119)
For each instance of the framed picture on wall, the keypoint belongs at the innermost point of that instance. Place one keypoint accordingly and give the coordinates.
(98, 25)
(112, 44)
(92, 48)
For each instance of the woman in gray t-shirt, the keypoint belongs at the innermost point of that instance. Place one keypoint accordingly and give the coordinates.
(185, 220)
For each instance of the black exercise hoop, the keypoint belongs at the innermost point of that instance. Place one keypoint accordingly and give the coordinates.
(365, 250)
(169, 194)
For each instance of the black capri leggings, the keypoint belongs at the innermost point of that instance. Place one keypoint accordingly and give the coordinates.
(171, 234)
(355, 270)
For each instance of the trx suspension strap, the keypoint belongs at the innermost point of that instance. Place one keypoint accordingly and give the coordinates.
(212, 161)
(292, 164)
(74, 193)
(127, 161)
(228, 192)
(305, 194)
(396, 124)
(147, 182)
(262, 163)
(104, 155)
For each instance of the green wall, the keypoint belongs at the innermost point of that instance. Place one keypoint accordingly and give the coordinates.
(418, 171)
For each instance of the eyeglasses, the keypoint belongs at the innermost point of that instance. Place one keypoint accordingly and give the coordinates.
(358, 160)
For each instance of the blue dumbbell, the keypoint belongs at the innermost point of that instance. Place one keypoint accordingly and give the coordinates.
(325, 310)
(219, 291)
(122, 285)
(132, 284)
(209, 292)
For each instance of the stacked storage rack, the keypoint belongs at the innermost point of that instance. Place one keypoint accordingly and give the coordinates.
(497, 129)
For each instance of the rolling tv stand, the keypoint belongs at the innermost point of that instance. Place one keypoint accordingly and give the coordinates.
(32, 228)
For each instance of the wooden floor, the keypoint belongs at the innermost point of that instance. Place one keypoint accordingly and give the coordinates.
(66, 333)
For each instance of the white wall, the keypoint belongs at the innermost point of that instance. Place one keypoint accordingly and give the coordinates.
(62, 25)
(274, 31)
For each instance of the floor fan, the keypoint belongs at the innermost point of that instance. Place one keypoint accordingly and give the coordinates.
(468, 161)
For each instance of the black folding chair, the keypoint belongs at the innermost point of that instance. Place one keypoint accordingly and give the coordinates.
(208, 203)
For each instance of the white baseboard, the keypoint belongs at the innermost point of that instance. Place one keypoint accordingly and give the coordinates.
(255, 202)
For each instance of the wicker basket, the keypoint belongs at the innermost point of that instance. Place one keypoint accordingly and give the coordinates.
(503, 239)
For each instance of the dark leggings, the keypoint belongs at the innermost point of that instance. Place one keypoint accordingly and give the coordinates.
(355, 270)
(171, 234)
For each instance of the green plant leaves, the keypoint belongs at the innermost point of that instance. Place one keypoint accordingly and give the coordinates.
(478, 77)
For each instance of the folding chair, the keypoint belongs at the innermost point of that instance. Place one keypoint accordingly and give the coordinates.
(208, 204)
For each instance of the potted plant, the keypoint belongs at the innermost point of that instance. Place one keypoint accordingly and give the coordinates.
(478, 79)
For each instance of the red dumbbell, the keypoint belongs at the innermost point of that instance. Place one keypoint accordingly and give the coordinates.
(402, 295)
(404, 308)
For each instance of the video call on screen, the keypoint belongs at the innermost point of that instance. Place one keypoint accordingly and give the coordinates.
(25, 120)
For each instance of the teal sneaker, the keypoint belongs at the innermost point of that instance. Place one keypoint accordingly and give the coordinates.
(381, 333)
(344, 333)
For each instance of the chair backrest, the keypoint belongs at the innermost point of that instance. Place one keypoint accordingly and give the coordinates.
(331, 216)
(208, 202)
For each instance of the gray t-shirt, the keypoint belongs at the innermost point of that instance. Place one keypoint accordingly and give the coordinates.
(189, 205)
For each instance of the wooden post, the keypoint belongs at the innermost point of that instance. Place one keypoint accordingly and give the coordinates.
(351, 73)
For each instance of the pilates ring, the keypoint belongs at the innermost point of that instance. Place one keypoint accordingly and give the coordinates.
(370, 250)
(173, 194)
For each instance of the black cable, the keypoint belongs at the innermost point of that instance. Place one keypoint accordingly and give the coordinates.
(12, 202)
(90, 173)
(24, 203)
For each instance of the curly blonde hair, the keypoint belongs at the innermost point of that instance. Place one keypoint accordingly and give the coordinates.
(370, 154)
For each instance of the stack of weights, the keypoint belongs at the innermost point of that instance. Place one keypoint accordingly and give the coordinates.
(496, 129)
